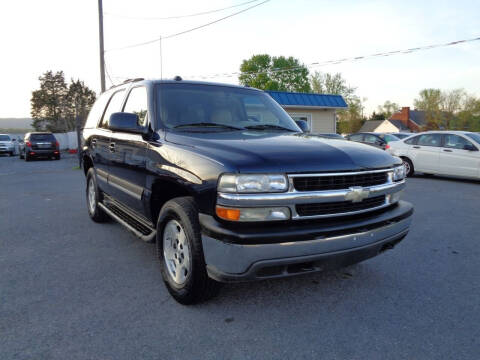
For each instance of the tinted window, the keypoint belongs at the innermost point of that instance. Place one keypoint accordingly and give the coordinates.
(371, 139)
(430, 140)
(113, 106)
(137, 104)
(412, 141)
(181, 104)
(357, 137)
(42, 137)
(455, 142)
(4, 138)
(96, 111)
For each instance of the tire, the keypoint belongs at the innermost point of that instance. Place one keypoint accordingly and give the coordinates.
(93, 198)
(21, 156)
(27, 157)
(182, 264)
(408, 166)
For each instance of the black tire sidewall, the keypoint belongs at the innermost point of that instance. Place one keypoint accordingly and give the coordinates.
(410, 164)
(91, 175)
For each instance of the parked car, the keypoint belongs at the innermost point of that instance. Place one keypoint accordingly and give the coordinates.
(39, 145)
(230, 189)
(379, 140)
(453, 153)
(401, 135)
(7, 146)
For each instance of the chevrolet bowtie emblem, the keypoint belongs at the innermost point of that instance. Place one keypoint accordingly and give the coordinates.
(356, 194)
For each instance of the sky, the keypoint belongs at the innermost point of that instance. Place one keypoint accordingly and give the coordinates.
(37, 36)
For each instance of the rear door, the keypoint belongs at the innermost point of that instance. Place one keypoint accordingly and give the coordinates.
(455, 160)
(425, 153)
(128, 176)
(100, 141)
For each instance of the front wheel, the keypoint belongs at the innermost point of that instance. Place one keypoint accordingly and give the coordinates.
(180, 251)
(409, 170)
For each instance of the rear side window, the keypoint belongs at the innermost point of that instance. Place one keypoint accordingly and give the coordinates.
(96, 112)
(430, 140)
(113, 106)
(42, 137)
(137, 104)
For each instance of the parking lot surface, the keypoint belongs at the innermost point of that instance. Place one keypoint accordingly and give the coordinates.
(74, 289)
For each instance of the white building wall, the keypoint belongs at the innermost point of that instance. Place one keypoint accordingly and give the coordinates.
(386, 127)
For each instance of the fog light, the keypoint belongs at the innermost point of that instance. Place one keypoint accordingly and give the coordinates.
(253, 214)
(393, 198)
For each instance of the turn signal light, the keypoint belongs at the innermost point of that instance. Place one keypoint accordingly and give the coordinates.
(228, 214)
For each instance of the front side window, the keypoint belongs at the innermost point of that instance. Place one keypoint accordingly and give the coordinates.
(195, 105)
(430, 140)
(113, 106)
(137, 104)
(455, 142)
(357, 137)
(372, 139)
(412, 141)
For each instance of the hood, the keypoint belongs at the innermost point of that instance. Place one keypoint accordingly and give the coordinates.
(262, 151)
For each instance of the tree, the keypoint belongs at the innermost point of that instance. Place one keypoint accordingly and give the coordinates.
(379, 116)
(388, 108)
(274, 73)
(48, 103)
(350, 119)
(430, 101)
(55, 105)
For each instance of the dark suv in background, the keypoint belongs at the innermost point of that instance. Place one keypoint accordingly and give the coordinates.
(40, 145)
(230, 189)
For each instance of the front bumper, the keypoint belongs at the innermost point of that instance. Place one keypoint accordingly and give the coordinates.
(249, 255)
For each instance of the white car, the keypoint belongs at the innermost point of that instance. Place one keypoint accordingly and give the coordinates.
(453, 153)
(7, 146)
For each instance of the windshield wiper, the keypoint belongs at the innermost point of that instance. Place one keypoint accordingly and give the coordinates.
(207, 124)
(267, 127)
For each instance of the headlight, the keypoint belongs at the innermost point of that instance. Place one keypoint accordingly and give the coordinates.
(399, 173)
(251, 183)
(253, 214)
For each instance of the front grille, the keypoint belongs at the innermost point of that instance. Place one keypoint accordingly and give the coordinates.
(338, 182)
(339, 207)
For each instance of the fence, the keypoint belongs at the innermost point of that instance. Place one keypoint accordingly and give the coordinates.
(67, 140)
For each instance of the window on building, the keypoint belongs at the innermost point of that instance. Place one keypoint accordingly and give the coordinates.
(304, 117)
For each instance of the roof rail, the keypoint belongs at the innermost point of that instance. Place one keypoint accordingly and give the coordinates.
(126, 82)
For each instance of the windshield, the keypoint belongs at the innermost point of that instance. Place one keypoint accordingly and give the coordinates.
(211, 107)
(474, 136)
(4, 138)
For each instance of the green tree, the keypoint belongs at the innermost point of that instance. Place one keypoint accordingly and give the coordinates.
(55, 105)
(274, 73)
(48, 103)
(430, 101)
(388, 108)
(379, 116)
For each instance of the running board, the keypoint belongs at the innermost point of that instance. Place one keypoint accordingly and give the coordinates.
(137, 228)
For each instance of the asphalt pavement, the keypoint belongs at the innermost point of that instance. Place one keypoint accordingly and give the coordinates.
(74, 289)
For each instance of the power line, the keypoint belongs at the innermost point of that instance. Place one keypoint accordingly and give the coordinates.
(180, 16)
(339, 61)
(186, 31)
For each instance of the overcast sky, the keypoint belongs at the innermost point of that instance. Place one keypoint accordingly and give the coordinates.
(63, 35)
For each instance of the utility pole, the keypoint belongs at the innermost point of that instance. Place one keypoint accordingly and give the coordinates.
(100, 34)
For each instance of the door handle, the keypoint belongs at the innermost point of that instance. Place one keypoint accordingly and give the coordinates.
(447, 150)
(93, 142)
(417, 147)
(112, 147)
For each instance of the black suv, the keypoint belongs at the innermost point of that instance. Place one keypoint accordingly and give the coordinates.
(230, 189)
(39, 145)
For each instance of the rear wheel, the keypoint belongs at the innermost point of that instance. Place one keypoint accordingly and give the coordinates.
(409, 170)
(93, 197)
(180, 251)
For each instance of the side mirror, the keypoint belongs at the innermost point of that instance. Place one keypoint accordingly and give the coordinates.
(303, 125)
(14, 139)
(125, 122)
(470, 147)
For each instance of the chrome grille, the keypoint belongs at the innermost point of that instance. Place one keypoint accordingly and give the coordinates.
(337, 182)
